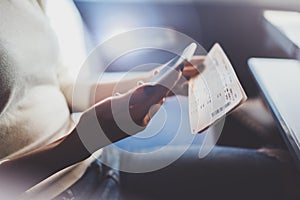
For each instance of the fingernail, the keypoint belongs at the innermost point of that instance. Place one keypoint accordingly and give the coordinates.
(139, 83)
(117, 94)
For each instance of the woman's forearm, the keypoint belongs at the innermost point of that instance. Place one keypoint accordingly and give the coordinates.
(106, 122)
(20, 174)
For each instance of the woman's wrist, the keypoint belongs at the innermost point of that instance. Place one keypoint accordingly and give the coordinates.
(72, 149)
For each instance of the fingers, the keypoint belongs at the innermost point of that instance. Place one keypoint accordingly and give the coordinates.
(157, 70)
(145, 101)
(189, 72)
(152, 111)
(193, 67)
(196, 60)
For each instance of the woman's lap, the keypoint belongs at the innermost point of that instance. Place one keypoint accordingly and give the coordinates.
(236, 173)
(172, 169)
(225, 173)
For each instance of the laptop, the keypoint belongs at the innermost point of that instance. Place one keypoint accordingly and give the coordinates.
(279, 82)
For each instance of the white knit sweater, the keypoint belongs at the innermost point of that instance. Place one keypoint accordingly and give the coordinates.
(33, 109)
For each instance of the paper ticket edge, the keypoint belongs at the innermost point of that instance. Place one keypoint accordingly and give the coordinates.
(244, 95)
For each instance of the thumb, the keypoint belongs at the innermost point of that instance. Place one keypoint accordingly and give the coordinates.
(145, 101)
(152, 111)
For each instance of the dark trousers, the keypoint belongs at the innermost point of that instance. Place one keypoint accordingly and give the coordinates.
(226, 173)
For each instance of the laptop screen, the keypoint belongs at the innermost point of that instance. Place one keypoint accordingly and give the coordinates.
(279, 82)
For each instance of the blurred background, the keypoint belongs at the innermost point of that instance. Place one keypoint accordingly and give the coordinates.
(238, 25)
(244, 28)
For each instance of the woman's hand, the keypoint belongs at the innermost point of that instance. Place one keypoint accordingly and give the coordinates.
(194, 67)
(129, 113)
(191, 70)
(146, 99)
